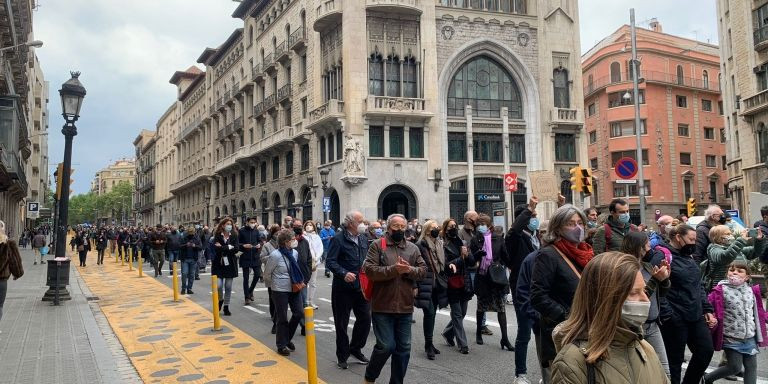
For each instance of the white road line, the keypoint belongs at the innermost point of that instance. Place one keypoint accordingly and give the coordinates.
(324, 299)
(738, 379)
(260, 312)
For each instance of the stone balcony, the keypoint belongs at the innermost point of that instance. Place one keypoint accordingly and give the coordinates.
(298, 39)
(754, 104)
(282, 53)
(327, 14)
(269, 102)
(276, 141)
(257, 72)
(284, 92)
(330, 113)
(566, 116)
(395, 6)
(384, 106)
(188, 129)
(258, 109)
(269, 62)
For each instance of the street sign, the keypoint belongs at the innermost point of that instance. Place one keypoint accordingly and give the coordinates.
(488, 197)
(733, 212)
(326, 204)
(33, 210)
(621, 181)
(501, 205)
(626, 168)
(510, 182)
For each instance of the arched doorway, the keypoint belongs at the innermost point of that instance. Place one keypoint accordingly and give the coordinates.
(335, 214)
(397, 198)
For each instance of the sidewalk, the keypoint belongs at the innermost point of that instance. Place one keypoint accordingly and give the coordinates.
(71, 343)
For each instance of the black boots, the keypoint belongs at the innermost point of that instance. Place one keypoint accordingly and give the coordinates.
(479, 333)
(221, 302)
(505, 344)
(226, 311)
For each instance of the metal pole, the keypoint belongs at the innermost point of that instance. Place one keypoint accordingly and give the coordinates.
(638, 130)
(69, 132)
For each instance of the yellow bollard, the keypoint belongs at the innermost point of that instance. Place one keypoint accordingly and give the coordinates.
(117, 254)
(130, 262)
(215, 297)
(140, 266)
(122, 259)
(309, 327)
(175, 282)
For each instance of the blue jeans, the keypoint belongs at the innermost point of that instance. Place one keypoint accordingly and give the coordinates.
(524, 325)
(187, 273)
(172, 257)
(393, 338)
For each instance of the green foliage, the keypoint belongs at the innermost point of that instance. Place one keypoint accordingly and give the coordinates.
(84, 208)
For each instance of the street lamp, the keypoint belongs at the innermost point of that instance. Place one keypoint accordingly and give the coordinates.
(33, 43)
(72, 94)
(324, 185)
(207, 198)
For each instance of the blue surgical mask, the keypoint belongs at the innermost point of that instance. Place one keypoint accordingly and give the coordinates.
(228, 228)
(533, 225)
(624, 218)
(378, 231)
(482, 229)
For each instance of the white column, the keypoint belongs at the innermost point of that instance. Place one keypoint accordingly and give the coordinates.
(470, 161)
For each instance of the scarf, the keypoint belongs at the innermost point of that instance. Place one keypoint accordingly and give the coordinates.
(293, 266)
(437, 252)
(488, 248)
(581, 253)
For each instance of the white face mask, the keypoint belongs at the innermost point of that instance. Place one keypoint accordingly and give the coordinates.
(635, 313)
(294, 243)
(310, 228)
(252, 225)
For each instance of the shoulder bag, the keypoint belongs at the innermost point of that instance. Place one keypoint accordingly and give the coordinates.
(366, 285)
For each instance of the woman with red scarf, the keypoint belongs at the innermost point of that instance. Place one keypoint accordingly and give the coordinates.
(556, 273)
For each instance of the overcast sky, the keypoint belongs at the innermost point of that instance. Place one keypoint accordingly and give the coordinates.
(128, 50)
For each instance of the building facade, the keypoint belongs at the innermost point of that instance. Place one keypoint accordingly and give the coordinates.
(37, 164)
(19, 94)
(416, 107)
(144, 186)
(104, 180)
(682, 130)
(743, 33)
(165, 172)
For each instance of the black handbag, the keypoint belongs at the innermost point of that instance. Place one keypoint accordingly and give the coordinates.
(441, 282)
(498, 274)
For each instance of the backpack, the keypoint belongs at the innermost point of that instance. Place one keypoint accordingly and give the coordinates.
(366, 285)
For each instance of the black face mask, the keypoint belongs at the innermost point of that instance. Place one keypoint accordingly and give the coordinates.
(434, 233)
(297, 230)
(688, 249)
(453, 232)
(397, 236)
(722, 220)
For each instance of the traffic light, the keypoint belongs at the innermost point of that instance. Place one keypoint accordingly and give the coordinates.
(586, 181)
(576, 179)
(691, 207)
(58, 175)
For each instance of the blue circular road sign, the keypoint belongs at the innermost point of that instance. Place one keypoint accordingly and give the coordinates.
(626, 168)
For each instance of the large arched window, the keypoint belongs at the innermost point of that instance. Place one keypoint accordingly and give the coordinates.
(705, 79)
(615, 72)
(487, 87)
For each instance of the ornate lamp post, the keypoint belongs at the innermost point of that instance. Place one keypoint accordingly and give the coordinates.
(207, 198)
(72, 94)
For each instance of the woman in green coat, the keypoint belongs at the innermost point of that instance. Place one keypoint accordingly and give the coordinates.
(725, 248)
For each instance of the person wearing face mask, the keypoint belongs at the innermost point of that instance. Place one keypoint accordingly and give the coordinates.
(172, 247)
(249, 241)
(460, 289)
(326, 234)
(725, 248)
(713, 216)
(281, 273)
(224, 263)
(610, 235)
(301, 245)
(741, 326)
(555, 276)
(606, 340)
(375, 231)
(316, 251)
(363, 230)
(686, 315)
(190, 247)
(656, 287)
(466, 234)
(157, 240)
(432, 288)
(489, 249)
(270, 244)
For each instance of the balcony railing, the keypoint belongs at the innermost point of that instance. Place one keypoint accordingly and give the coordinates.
(281, 52)
(189, 128)
(258, 109)
(238, 124)
(284, 92)
(761, 38)
(257, 72)
(387, 104)
(268, 62)
(332, 109)
(269, 102)
(281, 136)
(565, 114)
(327, 14)
(756, 103)
(298, 39)
(652, 77)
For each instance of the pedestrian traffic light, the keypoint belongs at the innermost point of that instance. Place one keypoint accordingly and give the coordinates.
(586, 181)
(576, 178)
(691, 207)
(58, 175)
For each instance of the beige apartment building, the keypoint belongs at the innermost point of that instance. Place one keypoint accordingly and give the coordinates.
(410, 106)
(743, 34)
(165, 172)
(37, 164)
(144, 186)
(105, 179)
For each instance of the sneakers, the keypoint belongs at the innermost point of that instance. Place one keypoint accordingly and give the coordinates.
(342, 364)
(521, 380)
(361, 359)
(291, 346)
(189, 292)
(284, 351)
(486, 331)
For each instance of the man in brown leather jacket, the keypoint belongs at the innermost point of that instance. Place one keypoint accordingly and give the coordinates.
(393, 269)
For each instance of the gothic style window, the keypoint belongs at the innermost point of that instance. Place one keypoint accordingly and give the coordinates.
(395, 72)
(393, 76)
(457, 146)
(562, 99)
(410, 85)
(375, 75)
(705, 79)
(487, 87)
(615, 72)
(416, 142)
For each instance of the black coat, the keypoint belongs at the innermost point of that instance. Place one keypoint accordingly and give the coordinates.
(702, 241)
(190, 247)
(452, 249)
(484, 287)
(553, 285)
(305, 259)
(249, 257)
(686, 299)
(428, 290)
(519, 245)
(217, 264)
(346, 256)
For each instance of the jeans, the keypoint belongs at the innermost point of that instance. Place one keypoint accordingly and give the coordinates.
(172, 257)
(677, 333)
(393, 338)
(521, 341)
(225, 289)
(187, 273)
(735, 361)
(455, 329)
(428, 325)
(285, 328)
(342, 302)
(3, 290)
(248, 289)
(653, 337)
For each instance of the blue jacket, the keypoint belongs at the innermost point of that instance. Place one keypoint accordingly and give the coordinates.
(523, 288)
(326, 235)
(346, 256)
(655, 239)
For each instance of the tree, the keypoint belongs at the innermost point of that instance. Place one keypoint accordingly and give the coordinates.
(85, 208)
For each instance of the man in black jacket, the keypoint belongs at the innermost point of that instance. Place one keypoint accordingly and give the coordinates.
(713, 215)
(346, 254)
(172, 247)
(250, 246)
(762, 225)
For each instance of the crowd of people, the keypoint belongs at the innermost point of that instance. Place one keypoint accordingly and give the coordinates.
(605, 300)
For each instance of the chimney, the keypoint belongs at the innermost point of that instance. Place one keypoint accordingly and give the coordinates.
(655, 25)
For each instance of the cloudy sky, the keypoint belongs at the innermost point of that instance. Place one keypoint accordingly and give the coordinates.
(128, 50)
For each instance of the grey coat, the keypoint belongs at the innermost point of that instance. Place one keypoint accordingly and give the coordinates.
(276, 275)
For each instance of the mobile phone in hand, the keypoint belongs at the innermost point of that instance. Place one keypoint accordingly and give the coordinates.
(752, 232)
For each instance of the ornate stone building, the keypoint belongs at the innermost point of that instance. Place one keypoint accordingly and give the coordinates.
(410, 106)
(146, 166)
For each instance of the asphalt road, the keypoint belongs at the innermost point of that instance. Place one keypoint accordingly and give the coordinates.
(484, 364)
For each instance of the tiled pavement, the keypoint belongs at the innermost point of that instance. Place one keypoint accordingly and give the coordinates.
(71, 343)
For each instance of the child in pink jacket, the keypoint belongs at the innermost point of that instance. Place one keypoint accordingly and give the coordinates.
(741, 320)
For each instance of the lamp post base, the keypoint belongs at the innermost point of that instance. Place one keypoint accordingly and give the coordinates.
(50, 294)
(57, 281)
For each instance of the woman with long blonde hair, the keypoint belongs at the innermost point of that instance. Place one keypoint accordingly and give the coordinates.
(601, 341)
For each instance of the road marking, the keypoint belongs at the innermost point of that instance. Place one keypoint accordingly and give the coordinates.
(248, 307)
(738, 379)
(324, 299)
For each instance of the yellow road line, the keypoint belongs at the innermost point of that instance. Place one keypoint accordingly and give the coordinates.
(169, 341)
